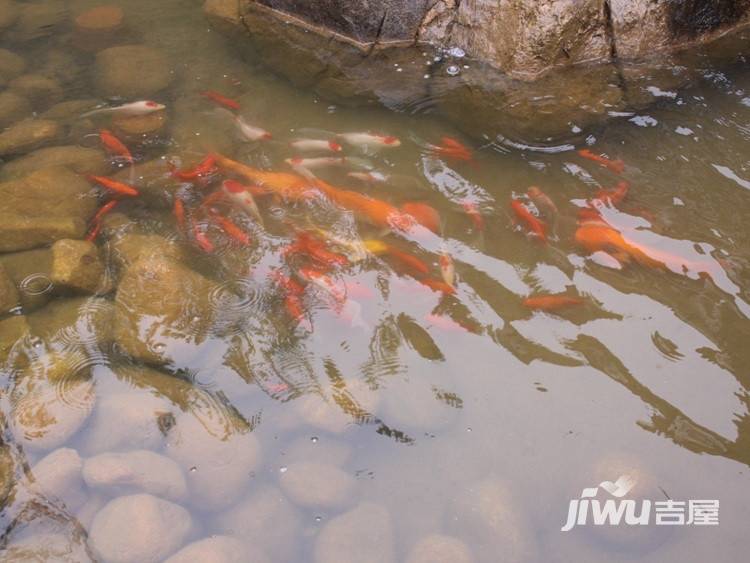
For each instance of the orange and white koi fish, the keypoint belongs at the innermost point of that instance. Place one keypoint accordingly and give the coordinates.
(369, 177)
(201, 239)
(221, 100)
(424, 214)
(370, 140)
(143, 107)
(114, 186)
(306, 145)
(447, 269)
(616, 166)
(533, 223)
(614, 196)
(604, 238)
(543, 202)
(453, 149)
(241, 196)
(551, 302)
(314, 163)
(295, 187)
(323, 281)
(115, 146)
(231, 228)
(353, 248)
(472, 211)
(251, 132)
(179, 213)
(204, 168)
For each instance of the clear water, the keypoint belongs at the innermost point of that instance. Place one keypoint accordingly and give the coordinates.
(424, 398)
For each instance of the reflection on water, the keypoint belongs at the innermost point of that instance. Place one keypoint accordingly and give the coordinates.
(276, 367)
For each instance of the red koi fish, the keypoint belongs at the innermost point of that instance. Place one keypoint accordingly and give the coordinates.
(614, 196)
(424, 214)
(201, 239)
(115, 146)
(453, 149)
(616, 166)
(114, 186)
(437, 285)
(93, 232)
(231, 228)
(551, 302)
(293, 293)
(204, 168)
(103, 210)
(472, 211)
(221, 100)
(179, 213)
(533, 223)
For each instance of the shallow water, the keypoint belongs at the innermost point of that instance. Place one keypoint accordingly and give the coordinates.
(463, 415)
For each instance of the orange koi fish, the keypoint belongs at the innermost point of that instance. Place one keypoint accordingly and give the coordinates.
(114, 186)
(231, 228)
(532, 222)
(437, 285)
(179, 213)
(221, 100)
(204, 168)
(551, 302)
(295, 187)
(614, 196)
(424, 215)
(316, 250)
(594, 238)
(103, 210)
(201, 239)
(543, 202)
(380, 248)
(114, 145)
(453, 149)
(293, 292)
(616, 166)
(447, 269)
(472, 211)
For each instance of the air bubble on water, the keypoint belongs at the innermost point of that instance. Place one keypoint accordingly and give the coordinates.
(437, 59)
(318, 518)
(457, 52)
(314, 439)
(467, 66)
(453, 70)
(426, 75)
(575, 129)
(399, 70)
(193, 469)
(332, 109)
(283, 469)
(468, 429)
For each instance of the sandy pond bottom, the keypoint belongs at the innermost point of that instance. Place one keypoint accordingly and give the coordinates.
(165, 399)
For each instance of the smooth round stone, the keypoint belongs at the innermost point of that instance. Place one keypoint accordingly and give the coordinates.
(12, 108)
(126, 421)
(58, 475)
(37, 20)
(41, 91)
(219, 549)
(265, 519)
(364, 535)
(318, 485)
(100, 19)
(46, 415)
(218, 463)
(139, 471)
(27, 135)
(139, 529)
(131, 71)
(139, 126)
(440, 549)
(11, 64)
(78, 159)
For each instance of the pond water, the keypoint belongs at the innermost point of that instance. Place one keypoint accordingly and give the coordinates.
(303, 384)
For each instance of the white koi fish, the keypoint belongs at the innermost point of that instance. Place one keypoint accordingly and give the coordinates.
(313, 163)
(447, 269)
(370, 140)
(240, 196)
(306, 145)
(250, 132)
(143, 107)
(369, 177)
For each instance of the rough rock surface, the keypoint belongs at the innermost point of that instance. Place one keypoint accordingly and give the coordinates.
(139, 529)
(131, 71)
(77, 266)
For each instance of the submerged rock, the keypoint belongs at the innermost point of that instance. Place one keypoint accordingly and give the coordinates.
(58, 476)
(13, 107)
(11, 64)
(152, 178)
(98, 27)
(364, 534)
(139, 529)
(140, 127)
(8, 13)
(12, 330)
(138, 471)
(217, 459)
(46, 415)
(78, 159)
(28, 135)
(318, 485)
(174, 300)
(70, 109)
(129, 248)
(41, 91)
(30, 273)
(75, 320)
(18, 233)
(131, 71)
(37, 20)
(77, 267)
(219, 549)
(266, 520)
(9, 297)
(440, 549)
